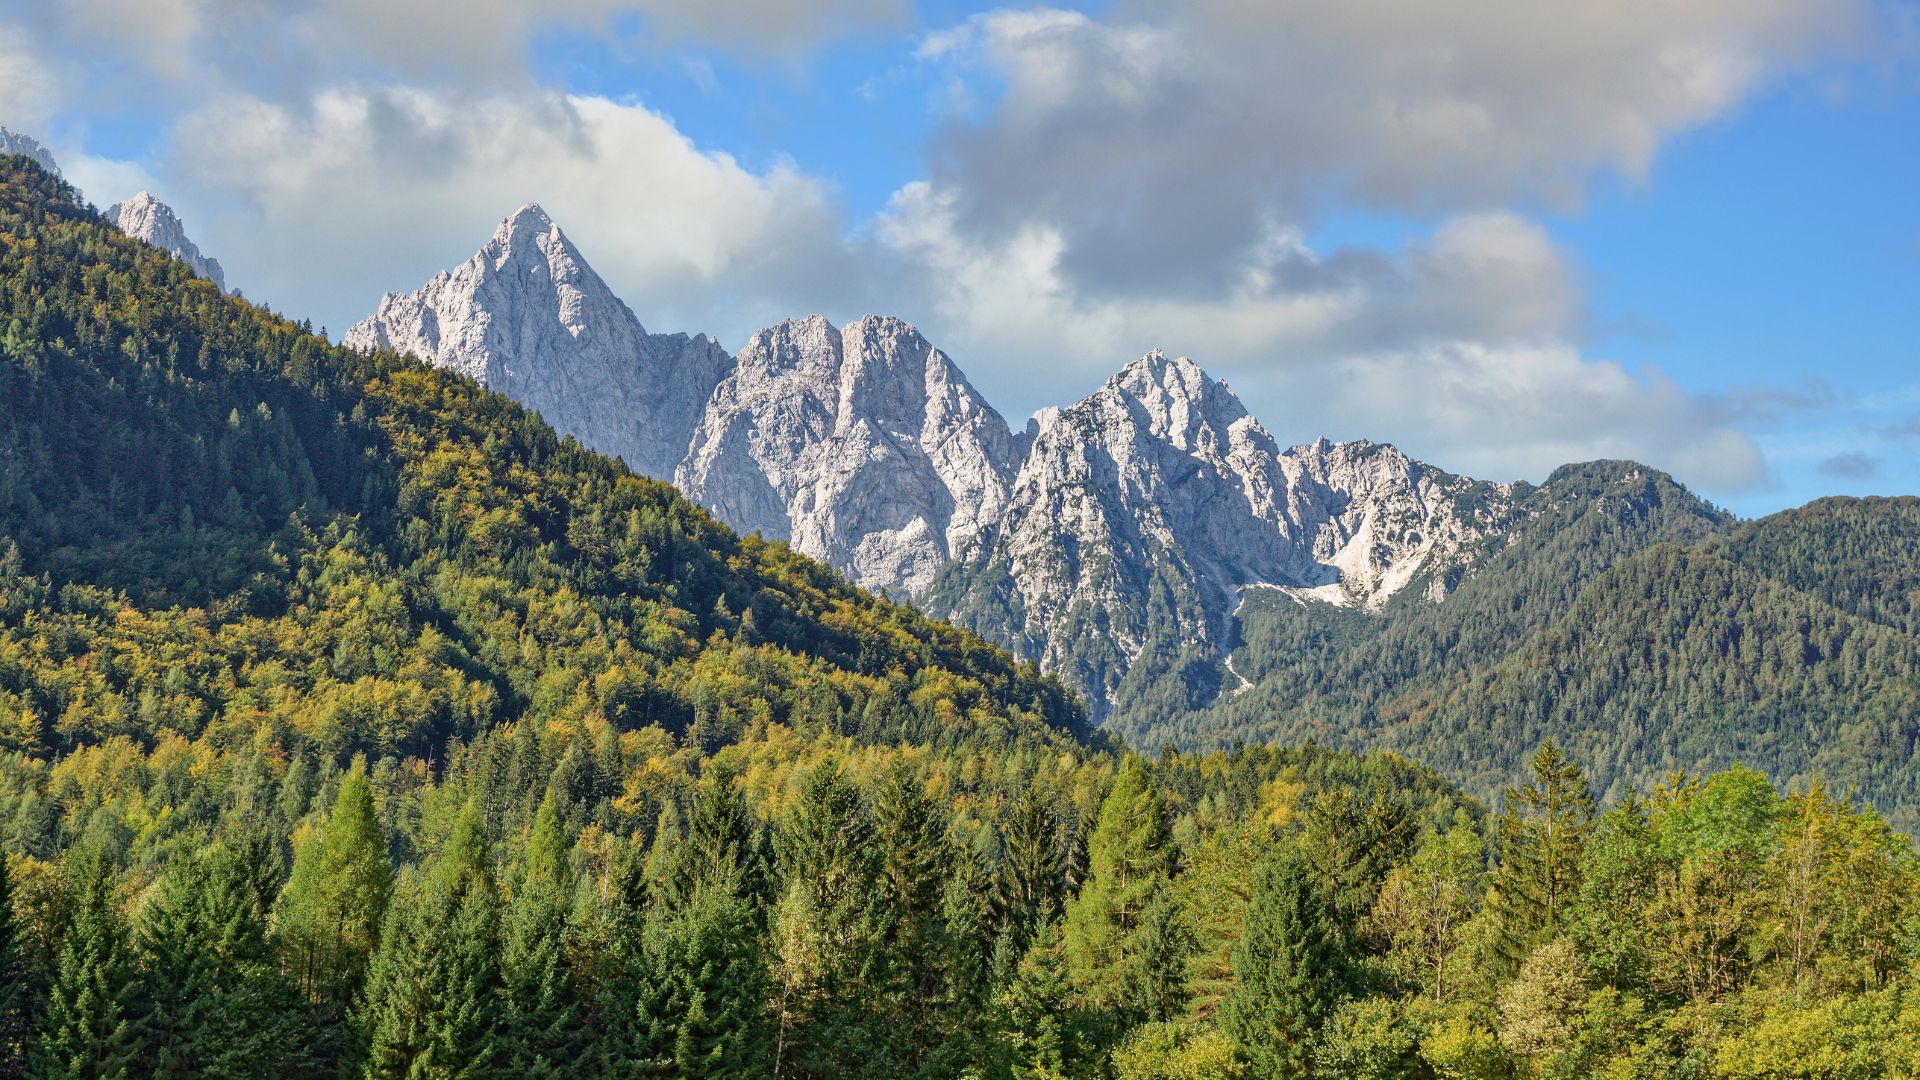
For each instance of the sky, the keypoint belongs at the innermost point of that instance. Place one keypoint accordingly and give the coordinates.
(1502, 235)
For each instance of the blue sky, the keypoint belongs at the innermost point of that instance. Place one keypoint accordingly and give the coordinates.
(1500, 235)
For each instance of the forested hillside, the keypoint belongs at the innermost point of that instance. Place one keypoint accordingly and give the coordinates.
(1634, 625)
(356, 726)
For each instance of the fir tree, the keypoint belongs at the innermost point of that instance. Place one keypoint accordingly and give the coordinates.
(1129, 862)
(1290, 969)
(88, 1029)
(915, 866)
(543, 1034)
(1033, 873)
(1543, 833)
(16, 986)
(433, 990)
(721, 850)
(703, 1012)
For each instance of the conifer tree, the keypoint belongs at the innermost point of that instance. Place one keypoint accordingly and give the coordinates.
(16, 987)
(1166, 943)
(330, 915)
(703, 1011)
(434, 989)
(88, 1030)
(1033, 875)
(543, 1033)
(721, 849)
(1290, 969)
(825, 934)
(1129, 861)
(1039, 1029)
(914, 943)
(1543, 833)
(181, 997)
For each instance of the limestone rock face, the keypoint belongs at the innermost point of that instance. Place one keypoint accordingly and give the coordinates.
(1142, 511)
(12, 142)
(144, 217)
(528, 317)
(863, 445)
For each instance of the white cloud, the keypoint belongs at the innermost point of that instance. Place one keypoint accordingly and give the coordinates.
(29, 89)
(317, 209)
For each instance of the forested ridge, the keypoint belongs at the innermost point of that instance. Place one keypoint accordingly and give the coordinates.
(355, 725)
(1633, 624)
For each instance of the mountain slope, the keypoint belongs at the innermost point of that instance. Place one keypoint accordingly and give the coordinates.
(1632, 624)
(527, 317)
(213, 523)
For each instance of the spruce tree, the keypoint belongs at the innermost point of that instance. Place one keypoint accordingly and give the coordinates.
(330, 915)
(434, 989)
(1290, 970)
(914, 944)
(180, 1003)
(702, 1013)
(16, 987)
(825, 934)
(1129, 863)
(1033, 875)
(721, 849)
(1158, 990)
(543, 1035)
(1543, 834)
(88, 1030)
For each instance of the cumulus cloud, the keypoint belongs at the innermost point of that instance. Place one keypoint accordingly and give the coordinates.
(1161, 139)
(320, 207)
(29, 89)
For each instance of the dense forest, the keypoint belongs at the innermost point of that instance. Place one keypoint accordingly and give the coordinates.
(1633, 624)
(351, 723)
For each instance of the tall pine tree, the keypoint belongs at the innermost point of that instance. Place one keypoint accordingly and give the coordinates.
(330, 915)
(1543, 833)
(16, 987)
(1129, 864)
(543, 1016)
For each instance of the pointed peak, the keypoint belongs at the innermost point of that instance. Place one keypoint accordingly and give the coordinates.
(12, 142)
(528, 220)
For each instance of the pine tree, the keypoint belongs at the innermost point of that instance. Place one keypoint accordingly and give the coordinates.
(1039, 1029)
(1290, 969)
(330, 915)
(88, 1029)
(1543, 833)
(16, 987)
(1159, 983)
(177, 969)
(1129, 863)
(433, 991)
(543, 1033)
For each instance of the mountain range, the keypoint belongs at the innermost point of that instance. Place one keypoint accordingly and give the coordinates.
(865, 446)
(1197, 581)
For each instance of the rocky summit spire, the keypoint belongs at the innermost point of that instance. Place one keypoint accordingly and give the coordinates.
(144, 217)
(527, 316)
(12, 142)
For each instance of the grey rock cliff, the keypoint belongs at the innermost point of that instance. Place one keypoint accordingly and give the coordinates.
(144, 217)
(863, 445)
(528, 317)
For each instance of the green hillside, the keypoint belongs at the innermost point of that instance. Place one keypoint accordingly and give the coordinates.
(1635, 626)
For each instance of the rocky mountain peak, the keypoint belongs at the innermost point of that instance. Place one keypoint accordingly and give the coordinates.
(864, 445)
(529, 317)
(146, 218)
(12, 142)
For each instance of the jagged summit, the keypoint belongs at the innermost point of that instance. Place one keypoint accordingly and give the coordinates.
(862, 444)
(13, 142)
(528, 316)
(144, 217)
